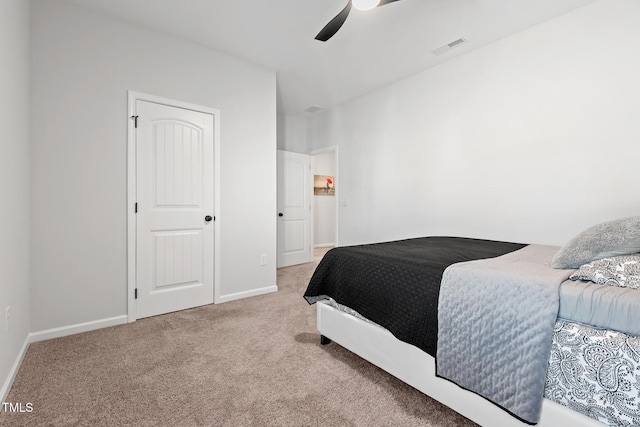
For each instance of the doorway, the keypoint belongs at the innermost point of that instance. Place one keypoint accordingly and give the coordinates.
(324, 163)
(172, 229)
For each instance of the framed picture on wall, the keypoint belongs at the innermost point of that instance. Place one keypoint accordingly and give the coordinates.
(324, 185)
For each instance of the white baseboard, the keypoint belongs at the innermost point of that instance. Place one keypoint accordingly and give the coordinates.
(4, 392)
(77, 328)
(246, 294)
(54, 333)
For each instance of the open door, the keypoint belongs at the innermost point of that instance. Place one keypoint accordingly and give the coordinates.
(294, 209)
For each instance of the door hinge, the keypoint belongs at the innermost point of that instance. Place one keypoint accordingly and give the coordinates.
(135, 293)
(136, 208)
(135, 121)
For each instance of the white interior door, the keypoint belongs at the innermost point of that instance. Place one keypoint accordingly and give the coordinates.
(175, 193)
(294, 211)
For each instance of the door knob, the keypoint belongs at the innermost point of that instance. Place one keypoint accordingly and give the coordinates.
(208, 218)
(280, 214)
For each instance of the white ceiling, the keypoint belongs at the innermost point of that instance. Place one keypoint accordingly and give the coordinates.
(373, 49)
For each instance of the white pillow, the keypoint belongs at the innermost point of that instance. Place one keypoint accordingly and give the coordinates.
(613, 238)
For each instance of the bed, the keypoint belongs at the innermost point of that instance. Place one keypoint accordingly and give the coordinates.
(385, 303)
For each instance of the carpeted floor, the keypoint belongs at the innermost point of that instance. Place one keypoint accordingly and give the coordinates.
(253, 362)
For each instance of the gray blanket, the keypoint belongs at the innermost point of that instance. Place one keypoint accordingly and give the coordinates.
(495, 327)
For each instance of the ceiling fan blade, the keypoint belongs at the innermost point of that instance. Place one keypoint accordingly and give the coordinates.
(383, 2)
(334, 25)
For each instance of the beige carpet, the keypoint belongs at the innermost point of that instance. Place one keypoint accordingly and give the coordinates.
(254, 362)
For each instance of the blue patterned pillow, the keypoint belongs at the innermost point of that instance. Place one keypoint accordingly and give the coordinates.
(623, 271)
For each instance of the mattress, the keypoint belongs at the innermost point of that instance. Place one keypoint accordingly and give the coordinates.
(396, 284)
(602, 306)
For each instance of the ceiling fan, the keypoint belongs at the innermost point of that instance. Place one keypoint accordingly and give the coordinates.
(334, 25)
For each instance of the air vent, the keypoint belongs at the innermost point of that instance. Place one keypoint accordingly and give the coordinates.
(447, 47)
(314, 109)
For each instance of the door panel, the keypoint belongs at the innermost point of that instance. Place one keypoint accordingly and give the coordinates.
(178, 164)
(177, 259)
(294, 197)
(174, 250)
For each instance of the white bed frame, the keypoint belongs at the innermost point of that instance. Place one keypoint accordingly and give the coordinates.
(417, 368)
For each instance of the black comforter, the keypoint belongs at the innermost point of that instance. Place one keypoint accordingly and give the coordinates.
(396, 284)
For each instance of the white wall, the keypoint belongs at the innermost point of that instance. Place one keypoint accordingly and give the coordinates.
(324, 207)
(83, 64)
(292, 133)
(530, 139)
(14, 185)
